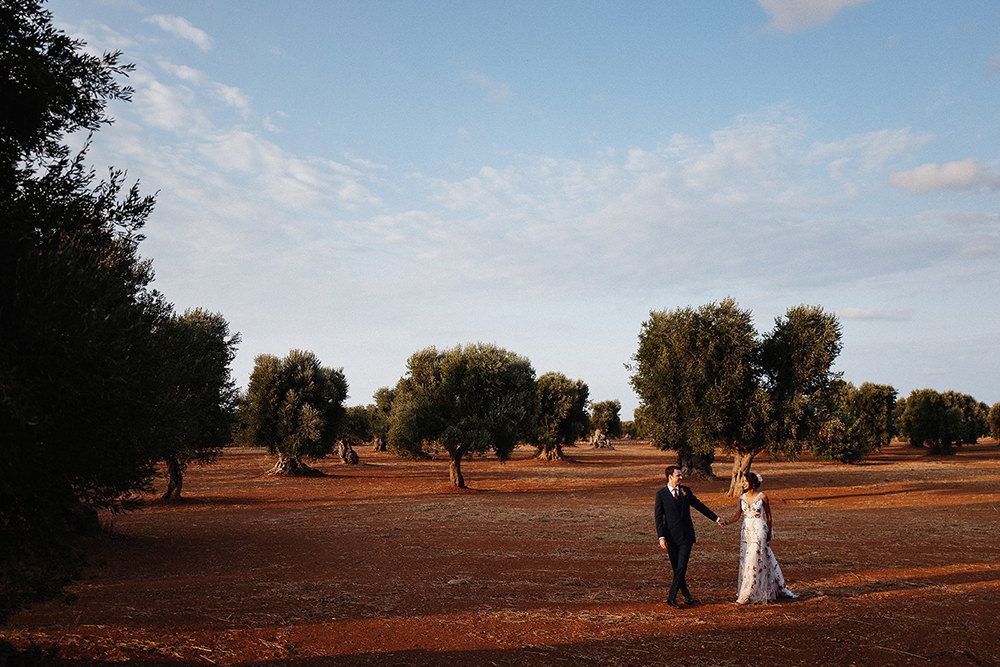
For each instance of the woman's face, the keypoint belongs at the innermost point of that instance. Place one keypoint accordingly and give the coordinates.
(746, 484)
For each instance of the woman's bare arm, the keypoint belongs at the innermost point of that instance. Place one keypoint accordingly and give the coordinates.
(767, 514)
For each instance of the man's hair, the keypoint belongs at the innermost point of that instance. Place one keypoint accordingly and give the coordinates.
(670, 470)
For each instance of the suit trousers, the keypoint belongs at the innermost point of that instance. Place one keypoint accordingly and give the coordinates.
(679, 556)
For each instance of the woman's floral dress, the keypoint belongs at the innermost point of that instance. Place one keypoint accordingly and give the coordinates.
(759, 578)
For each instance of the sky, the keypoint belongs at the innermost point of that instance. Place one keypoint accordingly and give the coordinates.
(366, 179)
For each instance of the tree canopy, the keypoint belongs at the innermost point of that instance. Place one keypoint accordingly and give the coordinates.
(707, 379)
(861, 422)
(560, 413)
(197, 394)
(606, 416)
(469, 399)
(295, 407)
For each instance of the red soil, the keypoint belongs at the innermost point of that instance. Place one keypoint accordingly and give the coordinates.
(538, 563)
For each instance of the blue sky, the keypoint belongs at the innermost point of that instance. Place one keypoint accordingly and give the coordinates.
(364, 179)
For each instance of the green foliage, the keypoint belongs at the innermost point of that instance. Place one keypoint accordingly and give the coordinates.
(358, 422)
(707, 379)
(931, 421)
(384, 397)
(468, 400)
(78, 403)
(197, 394)
(560, 413)
(606, 416)
(994, 421)
(293, 406)
(974, 416)
(861, 422)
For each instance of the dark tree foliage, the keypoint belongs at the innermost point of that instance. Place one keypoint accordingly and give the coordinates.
(706, 379)
(469, 399)
(560, 414)
(358, 422)
(77, 399)
(861, 422)
(380, 417)
(197, 394)
(930, 421)
(974, 417)
(994, 421)
(606, 416)
(294, 407)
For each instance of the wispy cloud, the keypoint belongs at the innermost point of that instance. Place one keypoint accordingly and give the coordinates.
(496, 91)
(181, 27)
(968, 174)
(796, 15)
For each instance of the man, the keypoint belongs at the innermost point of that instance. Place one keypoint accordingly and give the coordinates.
(672, 514)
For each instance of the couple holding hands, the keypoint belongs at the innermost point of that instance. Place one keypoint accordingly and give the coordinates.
(759, 578)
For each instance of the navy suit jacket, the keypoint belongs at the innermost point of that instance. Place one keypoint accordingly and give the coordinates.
(673, 516)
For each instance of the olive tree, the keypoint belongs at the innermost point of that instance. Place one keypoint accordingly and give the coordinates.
(295, 407)
(197, 393)
(78, 403)
(994, 421)
(931, 421)
(707, 379)
(380, 417)
(469, 399)
(974, 417)
(560, 414)
(605, 416)
(861, 422)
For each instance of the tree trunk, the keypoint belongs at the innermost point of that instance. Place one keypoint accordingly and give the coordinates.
(551, 453)
(697, 466)
(741, 466)
(455, 471)
(175, 479)
(292, 466)
(347, 453)
(378, 445)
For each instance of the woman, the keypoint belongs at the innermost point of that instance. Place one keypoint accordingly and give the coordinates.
(759, 578)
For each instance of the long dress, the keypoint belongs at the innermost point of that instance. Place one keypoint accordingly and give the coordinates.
(759, 578)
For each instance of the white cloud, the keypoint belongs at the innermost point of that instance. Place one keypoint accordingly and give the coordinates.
(795, 15)
(183, 72)
(232, 96)
(968, 174)
(167, 107)
(496, 91)
(181, 27)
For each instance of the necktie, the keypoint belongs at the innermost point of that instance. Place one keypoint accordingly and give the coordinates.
(676, 495)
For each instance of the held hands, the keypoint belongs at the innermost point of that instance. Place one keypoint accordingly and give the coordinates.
(663, 543)
(721, 522)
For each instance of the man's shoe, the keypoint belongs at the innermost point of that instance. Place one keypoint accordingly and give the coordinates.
(691, 602)
(673, 603)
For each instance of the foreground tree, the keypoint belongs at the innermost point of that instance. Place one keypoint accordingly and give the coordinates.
(605, 416)
(707, 379)
(197, 393)
(861, 422)
(560, 414)
(294, 407)
(931, 421)
(468, 400)
(77, 401)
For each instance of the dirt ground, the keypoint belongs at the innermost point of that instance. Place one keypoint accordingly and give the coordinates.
(896, 562)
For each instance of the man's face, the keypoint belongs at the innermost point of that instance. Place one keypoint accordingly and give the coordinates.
(676, 477)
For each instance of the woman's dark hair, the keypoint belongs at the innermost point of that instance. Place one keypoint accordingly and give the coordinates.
(753, 479)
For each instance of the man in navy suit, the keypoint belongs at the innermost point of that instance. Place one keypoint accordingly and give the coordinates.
(672, 515)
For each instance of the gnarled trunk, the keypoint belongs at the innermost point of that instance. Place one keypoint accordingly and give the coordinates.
(741, 466)
(551, 453)
(455, 471)
(378, 445)
(697, 466)
(347, 453)
(292, 466)
(175, 479)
